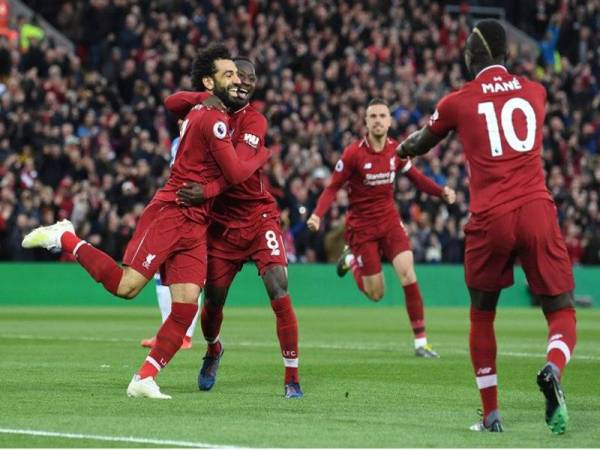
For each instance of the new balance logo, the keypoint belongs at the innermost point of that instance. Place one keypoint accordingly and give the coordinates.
(368, 166)
(251, 140)
(484, 370)
(149, 258)
(555, 337)
(434, 117)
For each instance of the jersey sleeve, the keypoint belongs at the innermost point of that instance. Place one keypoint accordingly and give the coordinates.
(421, 182)
(234, 169)
(252, 132)
(443, 120)
(403, 165)
(215, 187)
(180, 103)
(252, 135)
(341, 174)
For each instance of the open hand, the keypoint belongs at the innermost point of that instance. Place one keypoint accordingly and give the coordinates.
(313, 222)
(449, 195)
(191, 194)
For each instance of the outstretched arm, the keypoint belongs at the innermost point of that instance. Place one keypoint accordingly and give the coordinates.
(418, 143)
(339, 177)
(441, 122)
(423, 183)
(430, 187)
(236, 170)
(180, 103)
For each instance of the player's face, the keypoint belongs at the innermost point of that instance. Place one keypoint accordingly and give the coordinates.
(379, 120)
(247, 86)
(226, 81)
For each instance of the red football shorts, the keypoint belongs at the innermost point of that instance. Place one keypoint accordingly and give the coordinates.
(229, 248)
(166, 240)
(370, 244)
(529, 233)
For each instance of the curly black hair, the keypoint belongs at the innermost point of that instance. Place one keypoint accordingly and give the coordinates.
(204, 63)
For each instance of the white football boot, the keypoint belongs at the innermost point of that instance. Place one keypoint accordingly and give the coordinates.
(48, 237)
(145, 388)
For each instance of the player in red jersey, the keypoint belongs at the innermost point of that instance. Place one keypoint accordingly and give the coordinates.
(499, 118)
(373, 226)
(245, 226)
(168, 236)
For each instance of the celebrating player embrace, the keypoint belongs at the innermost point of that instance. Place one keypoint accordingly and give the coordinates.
(245, 226)
(169, 237)
(373, 227)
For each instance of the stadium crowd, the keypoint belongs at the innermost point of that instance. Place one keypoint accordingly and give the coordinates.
(86, 136)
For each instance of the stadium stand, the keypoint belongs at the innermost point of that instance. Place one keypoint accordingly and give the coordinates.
(84, 135)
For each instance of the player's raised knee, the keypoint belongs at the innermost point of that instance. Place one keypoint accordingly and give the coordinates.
(375, 294)
(128, 292)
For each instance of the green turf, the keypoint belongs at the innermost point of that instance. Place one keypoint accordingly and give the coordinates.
(66, 370)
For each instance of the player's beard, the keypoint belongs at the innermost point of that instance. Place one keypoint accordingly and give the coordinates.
(378, 135)
(223, 95)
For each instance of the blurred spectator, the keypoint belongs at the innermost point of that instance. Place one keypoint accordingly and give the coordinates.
(86, 136)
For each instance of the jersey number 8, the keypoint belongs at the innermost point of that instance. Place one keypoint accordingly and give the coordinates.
(506, 117)
(272, 242)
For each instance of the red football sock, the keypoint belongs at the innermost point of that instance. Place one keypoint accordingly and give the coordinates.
(98, 264)
(211, 319)
(482, 343)
(68, 241)
(357, 274)
(169, 338)
(562, 335)
(287, 332)
(414, 308)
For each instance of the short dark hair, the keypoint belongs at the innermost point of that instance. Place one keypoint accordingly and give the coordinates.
(204, 63)
(493, 43)
(244, 58)
(378, 101)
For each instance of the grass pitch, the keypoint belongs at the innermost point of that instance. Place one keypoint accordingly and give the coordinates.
(66, 371)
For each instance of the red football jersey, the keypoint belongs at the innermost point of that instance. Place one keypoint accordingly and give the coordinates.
(240, 204)
(370, 176)
(204, 133)
(499, 118)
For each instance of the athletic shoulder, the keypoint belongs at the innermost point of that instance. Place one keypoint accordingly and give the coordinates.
(535, 86)
(256, 118)
(352, 148)
(445, 116)
(209, 121)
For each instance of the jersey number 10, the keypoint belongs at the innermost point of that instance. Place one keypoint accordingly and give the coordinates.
(506, 117)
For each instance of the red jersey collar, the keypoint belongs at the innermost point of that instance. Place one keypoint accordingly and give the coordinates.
(365, 143)
(492, 67)
(241, 109)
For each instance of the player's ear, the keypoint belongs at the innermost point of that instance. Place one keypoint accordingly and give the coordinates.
(209, 83)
